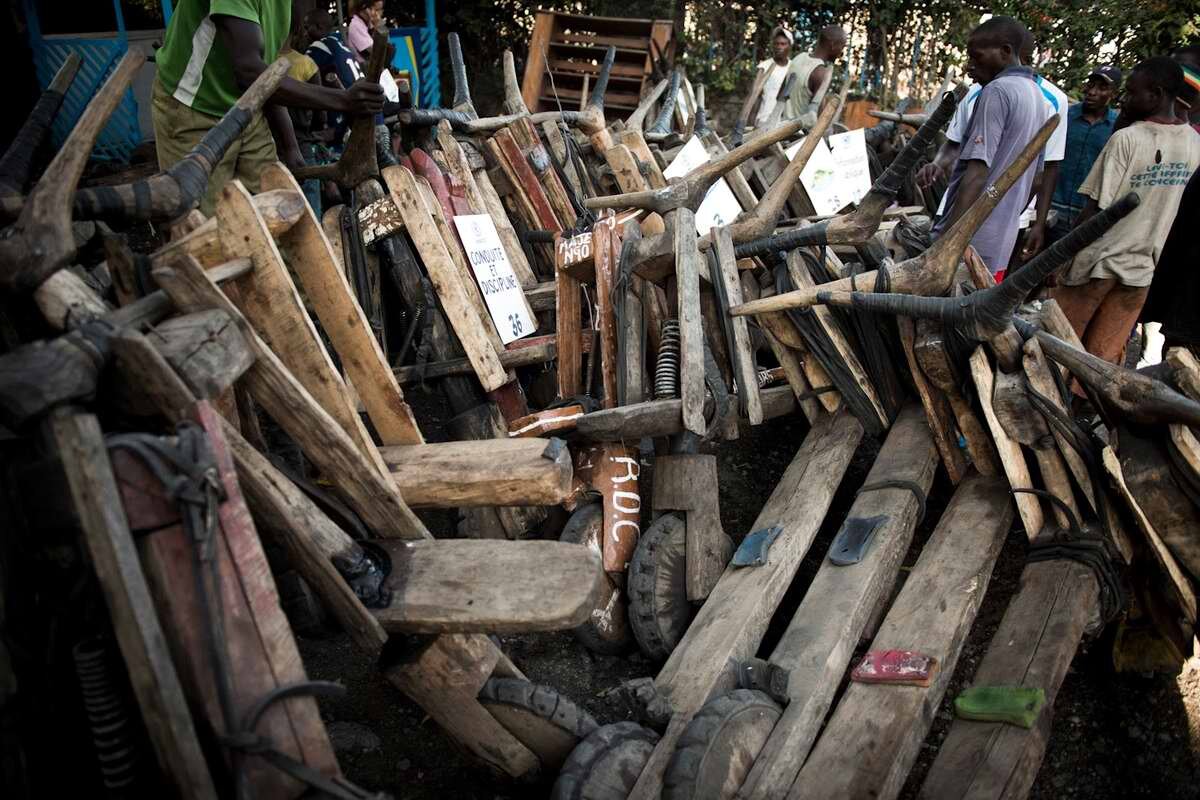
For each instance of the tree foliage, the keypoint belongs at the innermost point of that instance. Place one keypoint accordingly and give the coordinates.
(897, 47)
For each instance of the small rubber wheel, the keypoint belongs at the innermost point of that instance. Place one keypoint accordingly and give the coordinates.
(659, 611)
(719, 746)
(543, 720)
(606, 764)
(607, 630)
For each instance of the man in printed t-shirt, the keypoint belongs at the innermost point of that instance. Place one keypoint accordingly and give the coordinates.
(1103, 290)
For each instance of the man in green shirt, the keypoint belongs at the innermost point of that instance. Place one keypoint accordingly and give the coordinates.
(213, 51)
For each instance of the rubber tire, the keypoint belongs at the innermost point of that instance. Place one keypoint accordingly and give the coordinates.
(606, 764)
(719, 745)
(611, 636)
(541, 718)
(659, 611)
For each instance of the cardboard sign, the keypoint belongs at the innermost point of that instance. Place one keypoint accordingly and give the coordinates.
(719, 207)
(498, 283)
(838, 173)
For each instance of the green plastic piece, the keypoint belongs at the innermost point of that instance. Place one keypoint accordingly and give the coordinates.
(1016, 705)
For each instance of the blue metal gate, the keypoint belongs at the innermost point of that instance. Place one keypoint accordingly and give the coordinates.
(98, 57)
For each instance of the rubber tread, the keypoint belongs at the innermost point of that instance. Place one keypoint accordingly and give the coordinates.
(577, 531)
(618, 751)
(659, 615)
(683, 777)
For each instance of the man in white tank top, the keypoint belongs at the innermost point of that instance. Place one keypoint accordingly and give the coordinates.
(813, 73)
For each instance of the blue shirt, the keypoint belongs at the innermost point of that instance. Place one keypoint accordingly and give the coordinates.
(332, 56)
(1085, 140)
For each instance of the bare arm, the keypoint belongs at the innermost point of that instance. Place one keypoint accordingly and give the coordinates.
(1036, 238)
(974, 181)
(243, 40)
(941, 165)
(816, 78)
(1090, 209)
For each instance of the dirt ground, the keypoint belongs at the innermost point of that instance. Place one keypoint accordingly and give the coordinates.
(1113, 735)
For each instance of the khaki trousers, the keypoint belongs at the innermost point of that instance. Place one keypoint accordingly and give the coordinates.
(177, 129)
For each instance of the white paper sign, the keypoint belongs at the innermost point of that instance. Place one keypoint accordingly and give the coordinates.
(498, 283)
(838, 174)
(719, 206)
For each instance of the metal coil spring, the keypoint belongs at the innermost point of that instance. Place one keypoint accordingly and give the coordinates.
(666, 369)
(115, 732)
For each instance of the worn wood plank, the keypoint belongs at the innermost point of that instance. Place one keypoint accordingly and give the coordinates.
(462, 716)
(444, 677)
(460, 168)
(1179, 585)
(653, 418)
(625, 169)
(139, 633)
(249, 563)
(789, 360)
(458, 256)
(875, 733)
(491, 472)
(1011, 457)
(803, 280)
(929, 347)
(280, 209)
(255, 640)
(818, 643)
(489, 586)
(205, 348)
(269, 301)
(537, 353)
(406, 194)
(568, 326)
(311, 542)
(1150, 476)
(325, 443)
(633, 336)
(538, 159)
(1033, 647)
(558, 147)
(482, 423)
(311, 257)
(606, 248)
(309, 539)
(688, 483)
(691, 336)
(1037, 371)
(937, 408)
(732, 622)
(67, 302)
(525, 182)
(1011, 404)
(636, 142)
(496, 210)
(742, 356)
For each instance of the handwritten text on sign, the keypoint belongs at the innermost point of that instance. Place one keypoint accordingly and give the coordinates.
(501, 290)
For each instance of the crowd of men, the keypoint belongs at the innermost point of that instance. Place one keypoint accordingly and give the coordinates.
(1142, 268)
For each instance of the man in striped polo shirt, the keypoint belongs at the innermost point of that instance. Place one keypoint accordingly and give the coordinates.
(213, 51)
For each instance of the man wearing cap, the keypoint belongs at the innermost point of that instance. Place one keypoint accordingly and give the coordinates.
(1089, 124)
(776, 67)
